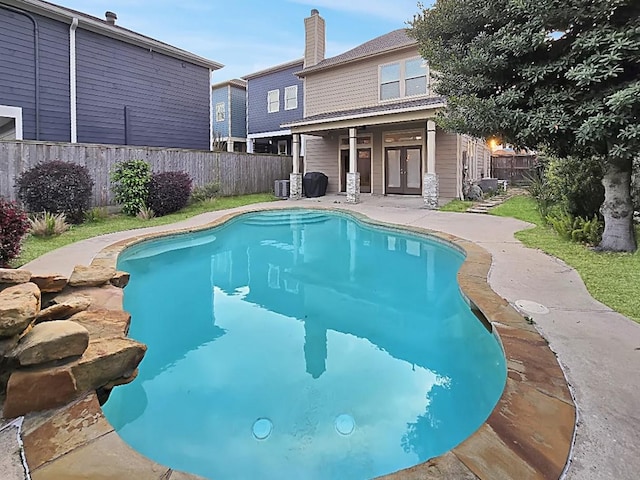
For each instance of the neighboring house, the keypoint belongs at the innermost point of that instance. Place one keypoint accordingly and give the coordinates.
(69, 77)
(229, 100)
(369, 122)
(274, 96)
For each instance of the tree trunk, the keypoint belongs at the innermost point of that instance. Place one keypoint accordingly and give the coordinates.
(617, 209)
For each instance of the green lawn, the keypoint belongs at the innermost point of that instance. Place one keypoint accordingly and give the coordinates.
(611, 278)
(34, 247)
(456, 206)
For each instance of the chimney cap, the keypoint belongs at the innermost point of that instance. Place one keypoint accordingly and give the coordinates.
(111, 17)
(315, 11)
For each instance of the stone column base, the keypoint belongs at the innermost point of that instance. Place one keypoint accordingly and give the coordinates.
(430, 190)
(295, 186)
(353, 187)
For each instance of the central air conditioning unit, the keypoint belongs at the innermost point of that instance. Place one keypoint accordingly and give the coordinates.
(281, 188)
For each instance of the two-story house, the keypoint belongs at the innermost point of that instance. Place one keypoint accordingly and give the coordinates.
(70, 77)
(274, 96)
(369, 122)
(229, 100)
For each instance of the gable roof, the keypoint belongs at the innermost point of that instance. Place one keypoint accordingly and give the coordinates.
(276, 68)
(394, 40)
(234, 82)
(100, 26)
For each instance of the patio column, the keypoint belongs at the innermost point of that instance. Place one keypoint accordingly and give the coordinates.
(295, 179)
(430, 179)
(249, 145)
(353, 176)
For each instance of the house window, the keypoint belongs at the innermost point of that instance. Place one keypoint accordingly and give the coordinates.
(403, 79)
(220, 112)
(283, 147)
(273, 101)
(291, 97)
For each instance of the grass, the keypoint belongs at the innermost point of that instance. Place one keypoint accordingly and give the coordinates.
(34, 247)
(611, 278)
(456, 206)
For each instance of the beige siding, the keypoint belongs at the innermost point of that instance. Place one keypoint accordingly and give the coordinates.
(350, 86)
(446, 163)
(321, 155)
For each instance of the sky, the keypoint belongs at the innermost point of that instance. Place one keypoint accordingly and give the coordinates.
(251, 35)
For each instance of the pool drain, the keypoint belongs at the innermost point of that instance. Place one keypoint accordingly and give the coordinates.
(262, 428)
(345, 424)
(527, 306)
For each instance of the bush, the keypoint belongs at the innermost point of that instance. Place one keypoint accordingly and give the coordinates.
(168, 192)
(577, 229)
(205, 192)
(577, 184)
(48, 224)
(14, 224)
(96, 215)
(130, 185)
(56, 187)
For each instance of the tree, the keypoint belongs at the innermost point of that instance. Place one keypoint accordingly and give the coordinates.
(562, 75)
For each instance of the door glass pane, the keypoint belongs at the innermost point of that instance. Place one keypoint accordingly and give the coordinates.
(389, 90)
(416, 86)
(364, 167)
(413, 168)
(393, 168)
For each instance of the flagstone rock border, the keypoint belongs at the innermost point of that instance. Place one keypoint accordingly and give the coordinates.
(528, 435)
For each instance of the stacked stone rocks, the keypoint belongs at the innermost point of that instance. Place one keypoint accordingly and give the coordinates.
(61, 338)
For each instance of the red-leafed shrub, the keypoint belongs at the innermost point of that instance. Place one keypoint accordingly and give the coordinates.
(168, 192)
(56, 187)
(14, 224)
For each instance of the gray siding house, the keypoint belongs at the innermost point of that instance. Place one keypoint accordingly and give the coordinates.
(69, 77)
(274, 96)
(230, 115)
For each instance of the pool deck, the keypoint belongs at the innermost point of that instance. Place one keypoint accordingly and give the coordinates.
(598, 349)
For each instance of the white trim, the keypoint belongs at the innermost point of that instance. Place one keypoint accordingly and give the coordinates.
(291, 88)
(16, 114)
(276, 107)
(210, 110)
(402, 80)
(276, 133)
(366, 115)
(73, 95)
(228, 115)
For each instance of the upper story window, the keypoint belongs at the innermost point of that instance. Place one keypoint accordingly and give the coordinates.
(407, 78)
(273, 101)
(291, 97)
(220, 112)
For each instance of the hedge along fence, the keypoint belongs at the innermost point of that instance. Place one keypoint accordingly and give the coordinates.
(236, 173)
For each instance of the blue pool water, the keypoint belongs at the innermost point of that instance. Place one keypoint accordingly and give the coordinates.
(302, 344)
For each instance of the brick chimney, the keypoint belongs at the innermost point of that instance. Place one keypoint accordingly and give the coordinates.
(314, 39)
(110, 17)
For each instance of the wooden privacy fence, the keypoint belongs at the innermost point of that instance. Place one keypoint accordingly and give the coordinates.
(514, 168)
(236, 173)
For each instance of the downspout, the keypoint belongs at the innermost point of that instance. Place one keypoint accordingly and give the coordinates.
(210, 110)
(73, 107)
(36, 43)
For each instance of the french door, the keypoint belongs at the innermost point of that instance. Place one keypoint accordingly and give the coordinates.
(364, 168)
(403, 170)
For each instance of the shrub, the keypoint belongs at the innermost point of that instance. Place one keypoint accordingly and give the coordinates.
(56, 187)
(130, 185)
(145, 213)
(168, 192)
(96, 215)
(576, 229)
(205, 192)
(47, 224)
(577, 184)
(541, 191)
(14, 224)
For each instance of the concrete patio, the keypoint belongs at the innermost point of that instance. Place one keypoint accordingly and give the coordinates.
(598, 349)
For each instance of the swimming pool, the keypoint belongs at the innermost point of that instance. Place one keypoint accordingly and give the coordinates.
(302, 344)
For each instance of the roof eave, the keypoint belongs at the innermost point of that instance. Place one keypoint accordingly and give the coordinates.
(98, 26)
(274, 69)
(315, 68)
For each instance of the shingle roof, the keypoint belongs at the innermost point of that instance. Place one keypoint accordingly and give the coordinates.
(366, 111)
(273, 69)
(390, 41)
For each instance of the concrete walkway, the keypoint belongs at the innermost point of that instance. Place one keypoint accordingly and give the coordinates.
(598, 348)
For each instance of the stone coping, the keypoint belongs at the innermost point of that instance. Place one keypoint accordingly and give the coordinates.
(528, 435)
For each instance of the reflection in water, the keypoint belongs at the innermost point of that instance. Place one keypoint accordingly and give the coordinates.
(315, 317)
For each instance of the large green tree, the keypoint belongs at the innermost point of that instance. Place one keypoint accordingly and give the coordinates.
(563, 75)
